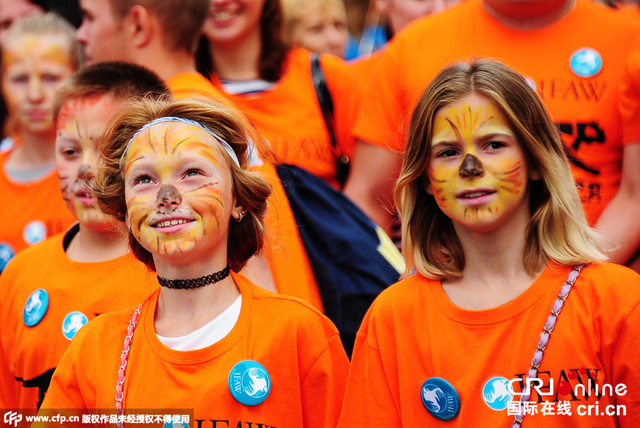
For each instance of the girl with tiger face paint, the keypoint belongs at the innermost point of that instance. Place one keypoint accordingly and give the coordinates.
(477, 170)
(176, 172)
(179, 193)
(484, 169)
(498, 250)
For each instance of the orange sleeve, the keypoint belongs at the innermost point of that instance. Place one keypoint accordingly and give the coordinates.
(630, 96)
(368, 399)
(328, 374)
(381, 117)
(65, 390)
(346, 95)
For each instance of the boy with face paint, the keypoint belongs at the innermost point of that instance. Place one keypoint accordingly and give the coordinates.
(506, 284)
(587, 82)
(86, 271)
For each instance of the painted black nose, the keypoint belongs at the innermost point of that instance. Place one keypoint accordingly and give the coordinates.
(84, 172)
(471, 167)
(168, 195)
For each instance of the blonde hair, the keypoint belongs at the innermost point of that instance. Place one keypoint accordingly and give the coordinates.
(557, 229)
(48, 24)
(250, 190)
(292, 10)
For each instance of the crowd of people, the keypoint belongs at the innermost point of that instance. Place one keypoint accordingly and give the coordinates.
(155, 252)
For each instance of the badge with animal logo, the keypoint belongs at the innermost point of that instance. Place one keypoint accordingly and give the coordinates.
(249, 382)
(440, 398)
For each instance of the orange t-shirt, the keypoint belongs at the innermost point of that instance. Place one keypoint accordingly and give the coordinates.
(413, 332)
(284, 250)
(591, 41)
(289, 116)
(76, 292)
(298, 347)
(33, 211)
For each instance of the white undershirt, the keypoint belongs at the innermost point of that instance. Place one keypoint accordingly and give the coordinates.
(209, 333)
(246, 87)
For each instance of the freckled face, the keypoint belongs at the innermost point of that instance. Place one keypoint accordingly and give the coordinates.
(477, 169)
(179, 191)
(78, 128)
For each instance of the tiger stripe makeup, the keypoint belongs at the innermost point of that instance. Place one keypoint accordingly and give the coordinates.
(477, 169)
(178, 189)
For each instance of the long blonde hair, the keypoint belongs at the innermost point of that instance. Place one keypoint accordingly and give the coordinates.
(557, 229)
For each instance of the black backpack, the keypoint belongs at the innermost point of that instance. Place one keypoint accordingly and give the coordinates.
(352, 258)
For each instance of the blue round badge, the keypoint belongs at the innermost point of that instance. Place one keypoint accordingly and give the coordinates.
(440, 398)
(35, 308)
(35, 231)
(586, 62)
(6, 254)
(497, 393)
(249, 382)
(175, 425)
(73, 322)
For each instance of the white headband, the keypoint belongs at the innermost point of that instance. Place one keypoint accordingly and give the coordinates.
(227, 148)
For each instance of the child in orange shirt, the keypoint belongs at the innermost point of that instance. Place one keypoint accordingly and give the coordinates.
(208, 339)
(38, 53)
(85, 271)
(511, 317)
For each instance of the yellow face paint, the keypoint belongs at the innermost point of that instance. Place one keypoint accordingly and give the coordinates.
(78, 128)
(33, 66)
(477, 169)
(178, 189)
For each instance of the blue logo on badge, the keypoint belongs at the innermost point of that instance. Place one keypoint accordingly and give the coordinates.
(35, 308)
(6, 254)
(497, 393)
(440, 398)
(35, 231)
(175, 425)
(249, 382)
(586, 62)
(73, 322)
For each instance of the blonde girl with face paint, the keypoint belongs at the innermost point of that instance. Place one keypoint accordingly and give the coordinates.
(38, 53)
(208, 339)
(506, 284)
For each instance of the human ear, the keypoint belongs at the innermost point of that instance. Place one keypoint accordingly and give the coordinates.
(141, 25)
(534, 173)
(238, 211)
(427, 185)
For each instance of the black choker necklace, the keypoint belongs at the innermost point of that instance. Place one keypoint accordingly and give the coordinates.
(195, 282)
